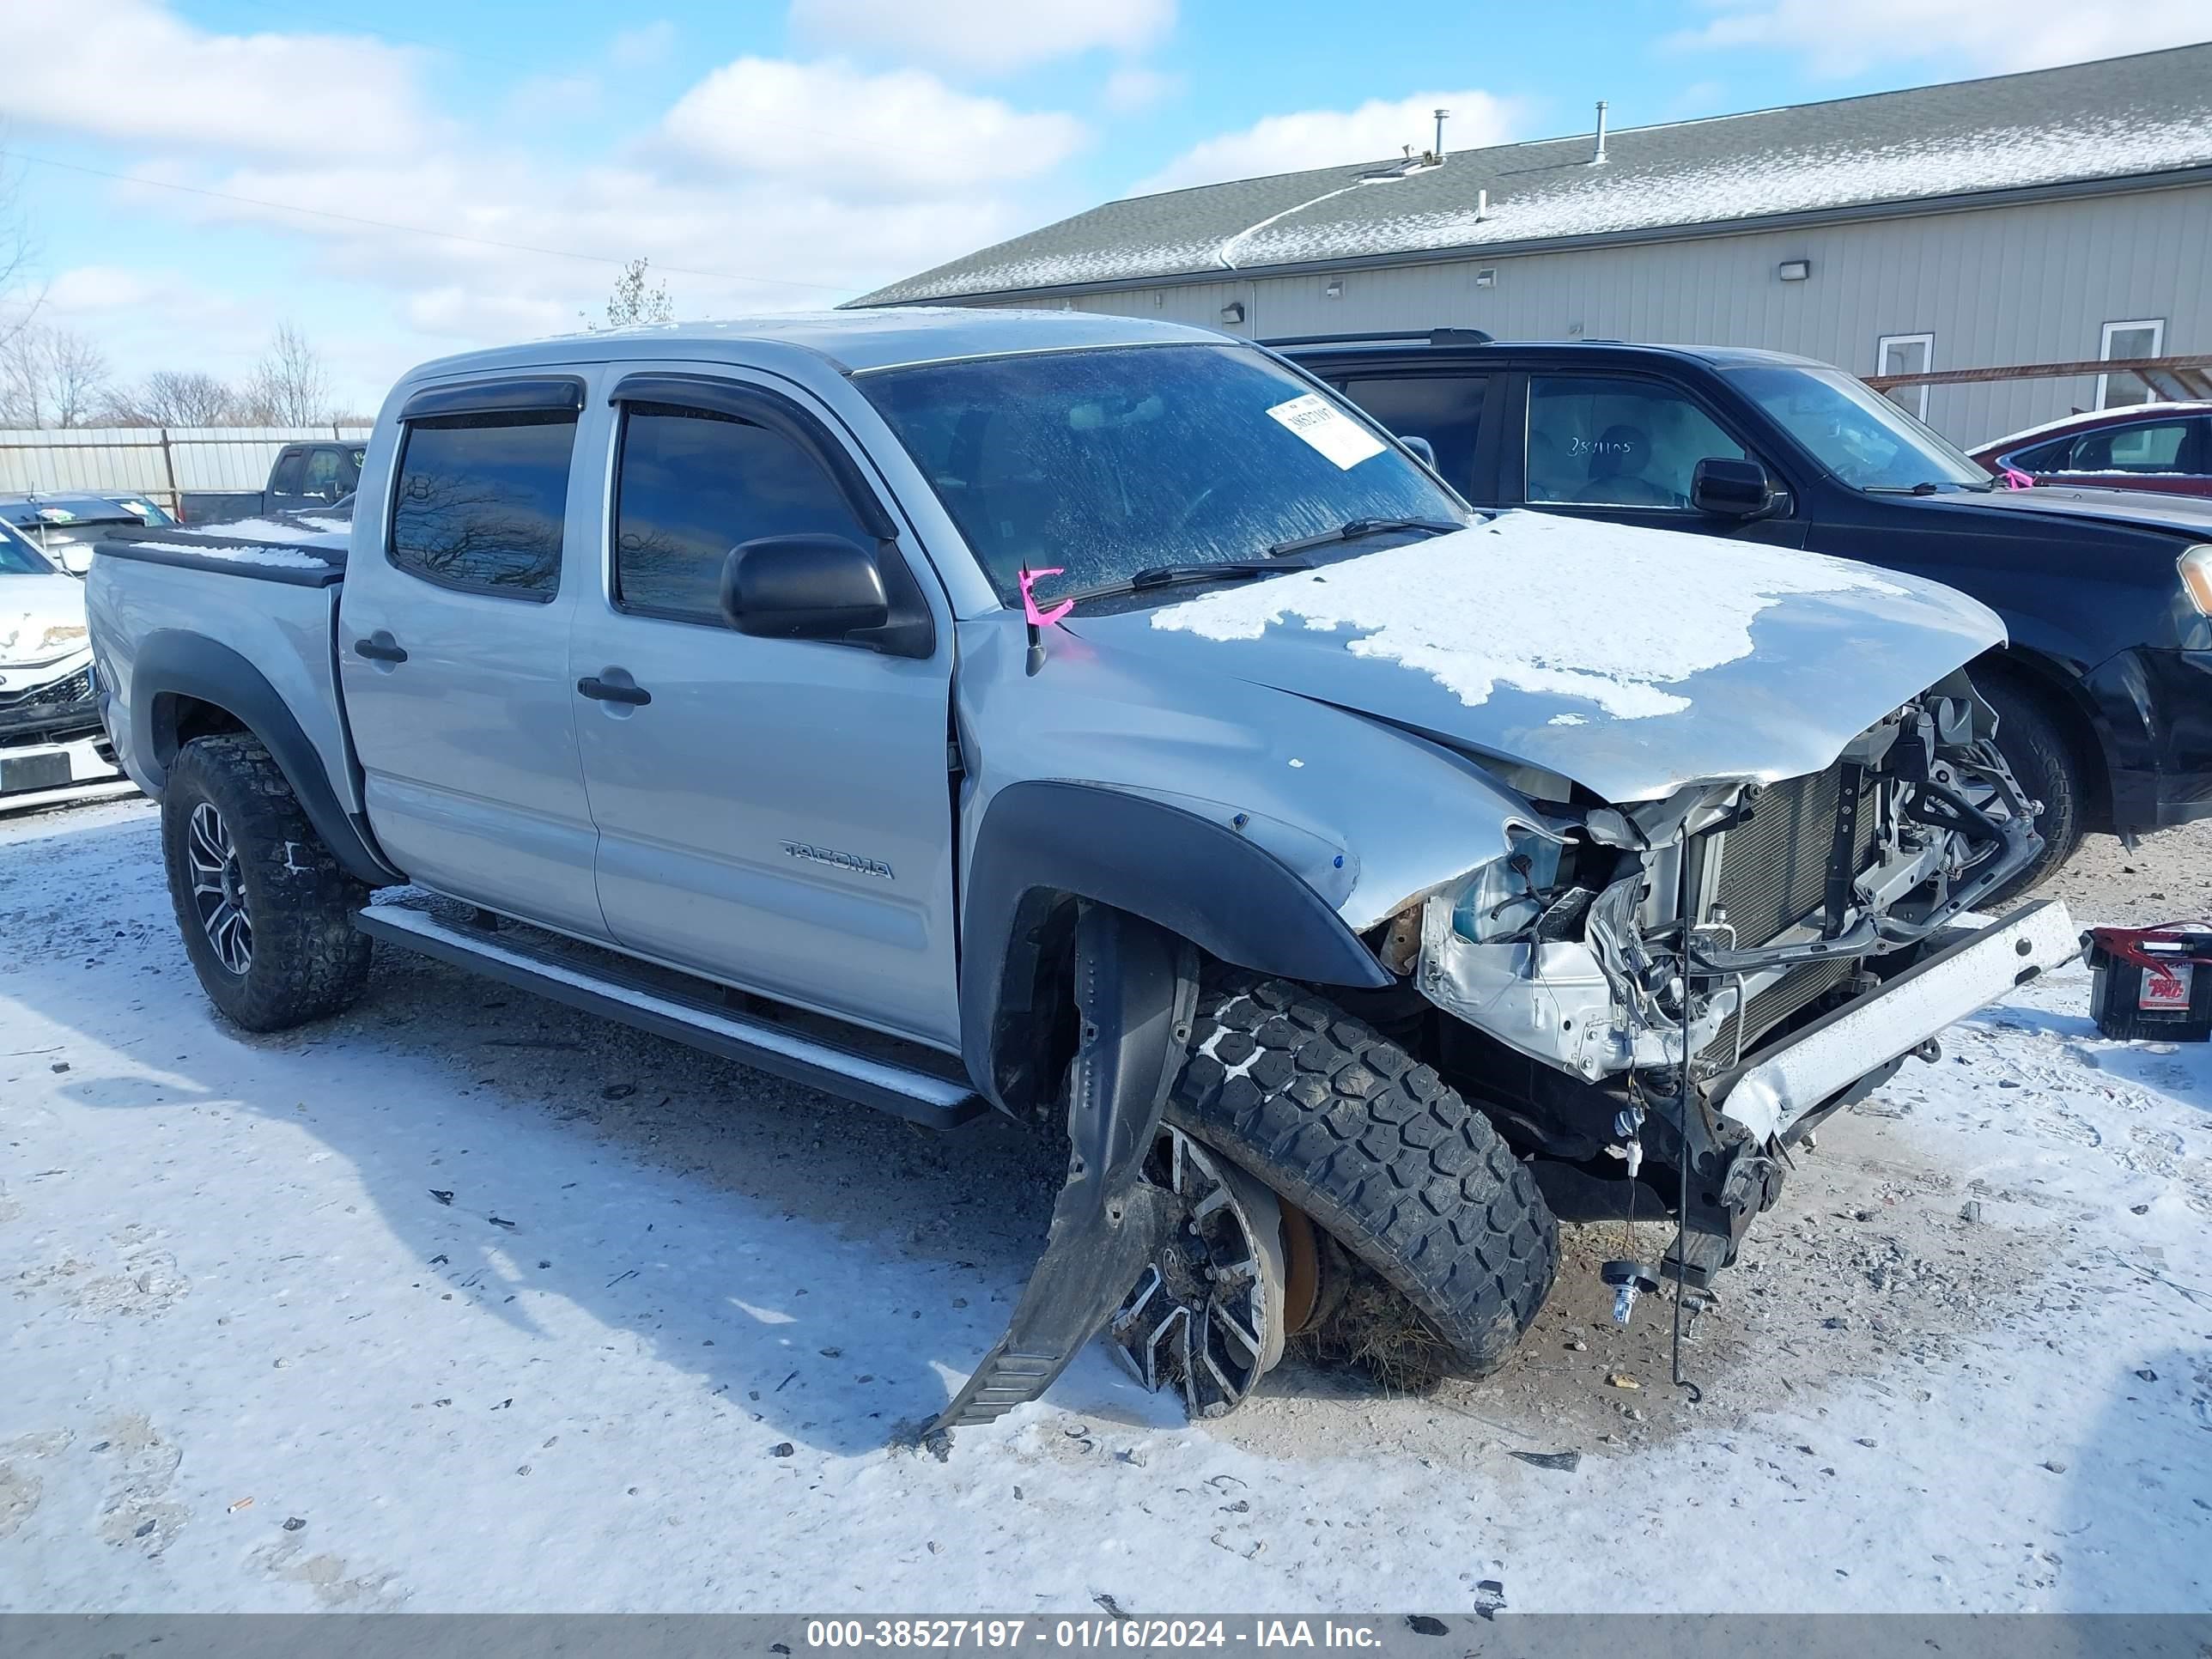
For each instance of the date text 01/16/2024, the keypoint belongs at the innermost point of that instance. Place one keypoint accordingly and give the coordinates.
(1131, 1634)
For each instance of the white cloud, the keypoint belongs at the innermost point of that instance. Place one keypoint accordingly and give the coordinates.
(768, 186)
(154, 316)
(1847, 37)
(1132, 87)
(1376, 131)
(993, 35)
(131, 71)
(550, 98)
(643, 47)
(900, 133)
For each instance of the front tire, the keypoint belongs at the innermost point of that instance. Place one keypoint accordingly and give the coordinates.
(266, 911)
(1380, 1152)
(2048, 768)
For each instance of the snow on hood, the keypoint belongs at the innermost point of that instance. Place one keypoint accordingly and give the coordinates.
(29, 605)
(1631, 660)
(1412, 605)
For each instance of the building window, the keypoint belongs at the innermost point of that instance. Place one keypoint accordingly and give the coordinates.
(1906, 354)
(2123, 342)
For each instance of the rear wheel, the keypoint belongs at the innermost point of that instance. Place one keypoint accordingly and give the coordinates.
(1351, 1136)
(2049, 769)
(266, 911)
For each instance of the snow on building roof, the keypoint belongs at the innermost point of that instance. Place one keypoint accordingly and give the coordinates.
(2118, 119)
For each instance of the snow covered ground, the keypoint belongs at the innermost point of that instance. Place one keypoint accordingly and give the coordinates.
(463, 1302)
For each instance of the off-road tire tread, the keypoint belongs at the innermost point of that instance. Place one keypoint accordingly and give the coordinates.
(2048, 768)
(1378, 1150)
(308, 961)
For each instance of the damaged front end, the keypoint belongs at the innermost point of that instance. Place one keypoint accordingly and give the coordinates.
(1778, 948)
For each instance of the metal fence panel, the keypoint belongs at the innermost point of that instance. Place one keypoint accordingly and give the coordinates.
(156, 461)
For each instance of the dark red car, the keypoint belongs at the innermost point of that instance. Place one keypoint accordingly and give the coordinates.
(2162, 447)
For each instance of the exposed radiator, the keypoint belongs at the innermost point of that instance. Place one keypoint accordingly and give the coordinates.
(1774, 869)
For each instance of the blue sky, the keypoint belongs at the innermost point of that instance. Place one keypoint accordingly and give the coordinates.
(190, 173)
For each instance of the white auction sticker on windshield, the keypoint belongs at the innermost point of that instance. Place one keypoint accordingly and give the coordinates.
(1329, 429)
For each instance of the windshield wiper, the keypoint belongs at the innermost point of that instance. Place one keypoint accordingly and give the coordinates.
(1176, 575)
(1929, 487)
(1354, 529)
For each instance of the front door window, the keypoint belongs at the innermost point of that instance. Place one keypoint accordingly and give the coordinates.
(1599, 441)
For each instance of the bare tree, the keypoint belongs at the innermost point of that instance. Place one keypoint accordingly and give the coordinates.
(175, 397)
(290, 385)
(18, 303)
(633, 303)
(50, 377)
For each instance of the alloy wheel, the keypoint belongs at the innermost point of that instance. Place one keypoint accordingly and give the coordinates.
(219, 889)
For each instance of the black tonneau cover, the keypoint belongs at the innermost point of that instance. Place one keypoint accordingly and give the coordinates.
(317, 560)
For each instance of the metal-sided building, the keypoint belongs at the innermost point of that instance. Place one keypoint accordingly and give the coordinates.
(2059, 216)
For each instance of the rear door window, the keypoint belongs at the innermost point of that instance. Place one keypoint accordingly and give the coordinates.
(481, 500)
(323, 473)
(285, 480)
(1445, 409)
(691, 485)
(1606, 441)
(2154, 446)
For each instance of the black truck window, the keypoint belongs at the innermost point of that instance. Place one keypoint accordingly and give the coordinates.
(323, 473)
(691, 484)
(480, 502)
(285, 480)
(1445, 409)
(1599, 440)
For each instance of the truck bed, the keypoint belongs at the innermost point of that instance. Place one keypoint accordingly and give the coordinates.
(152, 594)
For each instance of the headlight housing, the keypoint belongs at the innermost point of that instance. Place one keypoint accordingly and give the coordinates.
(2196, 567)
(1503, 899)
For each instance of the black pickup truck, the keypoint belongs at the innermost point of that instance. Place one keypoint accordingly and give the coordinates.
(2105, 692)
(305, 477)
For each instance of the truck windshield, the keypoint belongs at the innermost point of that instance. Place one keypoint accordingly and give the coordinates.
(1858, 435)
(18, 557)
(1106, 463)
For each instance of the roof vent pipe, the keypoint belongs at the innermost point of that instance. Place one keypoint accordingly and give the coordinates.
(1441, 115)
(1482, 204)
(1598, 160)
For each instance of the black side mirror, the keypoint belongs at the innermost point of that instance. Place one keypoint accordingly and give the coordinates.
(1422, 447)
(1731, 489)
(809, 586)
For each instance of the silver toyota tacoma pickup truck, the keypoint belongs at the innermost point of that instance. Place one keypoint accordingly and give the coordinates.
(1103, 723)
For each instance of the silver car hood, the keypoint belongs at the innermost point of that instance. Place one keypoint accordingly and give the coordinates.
(1632, 661)
(29, 605)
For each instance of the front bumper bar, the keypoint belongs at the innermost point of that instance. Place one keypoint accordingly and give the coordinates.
(1775, 1088)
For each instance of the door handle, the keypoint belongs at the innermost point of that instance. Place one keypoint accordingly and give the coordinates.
(379, 649)
(599, 691)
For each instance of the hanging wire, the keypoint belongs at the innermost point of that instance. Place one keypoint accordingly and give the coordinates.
(1682, 1125)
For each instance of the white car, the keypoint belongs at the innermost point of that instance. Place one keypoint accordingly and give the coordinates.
(50, 734)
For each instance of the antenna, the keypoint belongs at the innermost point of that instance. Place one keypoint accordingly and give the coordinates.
(1598, 160)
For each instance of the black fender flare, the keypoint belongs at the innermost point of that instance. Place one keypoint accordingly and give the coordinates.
(1136, 992)
(173, 663)
(1041, 841)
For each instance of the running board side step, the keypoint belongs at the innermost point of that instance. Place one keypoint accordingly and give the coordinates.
(934, 1102)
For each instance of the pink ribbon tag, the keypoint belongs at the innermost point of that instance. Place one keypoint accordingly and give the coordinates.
(1042, 618)
(2016, 479)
